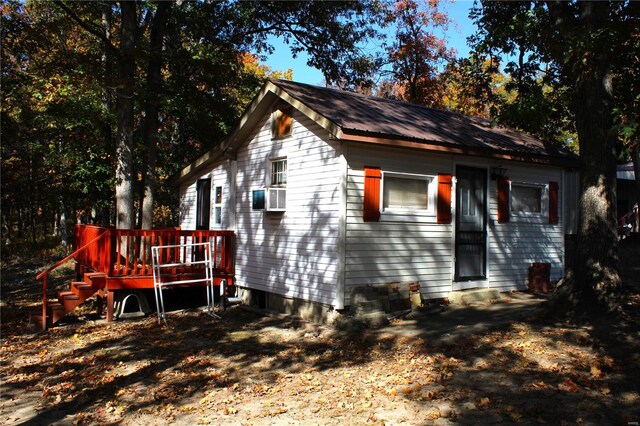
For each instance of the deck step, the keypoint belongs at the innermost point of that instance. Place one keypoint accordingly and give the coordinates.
(55, 312)
(97, 280)
(69, 295)
(69, 300)
(82, 290)
(55, 306)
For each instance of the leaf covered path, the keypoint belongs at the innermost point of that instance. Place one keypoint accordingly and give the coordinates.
(251, 369)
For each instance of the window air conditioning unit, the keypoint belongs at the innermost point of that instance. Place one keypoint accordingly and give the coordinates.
(276, 199)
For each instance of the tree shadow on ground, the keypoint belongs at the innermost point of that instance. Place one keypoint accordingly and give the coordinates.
(499, 363)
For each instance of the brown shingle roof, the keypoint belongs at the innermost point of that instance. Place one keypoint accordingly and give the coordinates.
(363, 115)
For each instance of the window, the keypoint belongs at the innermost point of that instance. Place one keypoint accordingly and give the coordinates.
(217, 206)
(279, 172)
(405, 193)
(528, 200)
(281, 120)
(408, 194)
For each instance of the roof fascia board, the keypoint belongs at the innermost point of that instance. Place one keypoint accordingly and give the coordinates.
(206, 158)
(258, 107)
(333, 129)
(449, 149)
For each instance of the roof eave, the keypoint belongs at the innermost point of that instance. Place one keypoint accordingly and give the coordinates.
(448, 148)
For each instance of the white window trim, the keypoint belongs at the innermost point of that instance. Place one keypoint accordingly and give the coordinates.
(270, 171)
(543, 216)
(215, 205)
(398, 214)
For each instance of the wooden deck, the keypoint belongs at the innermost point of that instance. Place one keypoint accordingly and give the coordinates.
(110, 259)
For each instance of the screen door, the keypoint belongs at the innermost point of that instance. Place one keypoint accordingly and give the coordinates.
(471, 224)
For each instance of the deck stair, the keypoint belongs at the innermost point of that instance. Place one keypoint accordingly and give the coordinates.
(115, 265)
(68, 301)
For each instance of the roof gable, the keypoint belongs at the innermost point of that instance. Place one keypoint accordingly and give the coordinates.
(355, 117)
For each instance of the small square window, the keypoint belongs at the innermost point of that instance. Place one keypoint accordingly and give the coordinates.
(529, 202)
(279, 172)
(282, 119)
(526, 199)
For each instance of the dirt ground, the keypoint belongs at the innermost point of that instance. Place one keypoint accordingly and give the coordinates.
(489, 363)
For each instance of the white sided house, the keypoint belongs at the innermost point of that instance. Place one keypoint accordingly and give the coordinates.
(328, 191)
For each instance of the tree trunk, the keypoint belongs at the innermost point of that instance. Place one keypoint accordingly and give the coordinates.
(595, 284)
(596, 273)
(107, 95)
(64, 240)
(125, 104)
(152, 111)
(596, 270)
(635, 158)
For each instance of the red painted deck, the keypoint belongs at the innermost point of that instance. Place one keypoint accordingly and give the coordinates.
(124, 255)
(110, 259)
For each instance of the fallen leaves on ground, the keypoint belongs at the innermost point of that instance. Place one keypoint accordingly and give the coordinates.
(251, 369)
(132, 372)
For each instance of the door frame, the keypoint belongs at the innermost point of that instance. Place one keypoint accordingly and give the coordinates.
(203, 205)
(479, 282)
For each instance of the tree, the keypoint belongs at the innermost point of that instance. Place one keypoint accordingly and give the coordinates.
(152, 113)
(416, 52)
(53, 160)
(573, 47)
(219, 30)
(472, 86)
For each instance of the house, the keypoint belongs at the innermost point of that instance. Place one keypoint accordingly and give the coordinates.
(627, 198)
(328, 191)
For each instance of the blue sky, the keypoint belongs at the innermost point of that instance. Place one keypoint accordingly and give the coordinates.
(456, 37)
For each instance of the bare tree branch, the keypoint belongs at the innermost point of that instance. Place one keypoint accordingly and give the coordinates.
(89, 27)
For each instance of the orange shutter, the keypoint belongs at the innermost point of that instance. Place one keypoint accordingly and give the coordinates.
(371, 208)
(444, 198)
(503, 200)
(553, 202)
(283, 124)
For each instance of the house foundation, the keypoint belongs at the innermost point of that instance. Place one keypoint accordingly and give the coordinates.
(307, 310)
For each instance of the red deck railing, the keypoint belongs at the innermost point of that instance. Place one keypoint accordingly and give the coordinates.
(127, 252)
(629, 222)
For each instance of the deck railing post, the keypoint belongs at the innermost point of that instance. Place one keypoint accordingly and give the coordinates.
(44, 302)
(108, 248)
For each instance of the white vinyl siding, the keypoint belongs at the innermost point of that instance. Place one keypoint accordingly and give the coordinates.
(406, 249)
(188, 198)
(292, 253)
(513, 246)
(220, 174)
